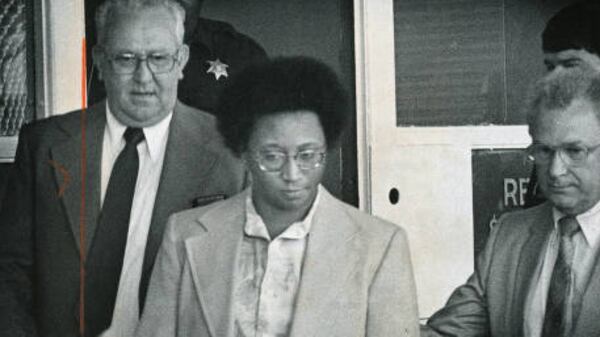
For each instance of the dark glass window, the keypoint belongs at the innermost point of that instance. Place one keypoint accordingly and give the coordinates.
(467, 62)
(16, 68)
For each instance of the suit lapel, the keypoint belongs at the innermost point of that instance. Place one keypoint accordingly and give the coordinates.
(588, 323)
(186, 165)
(531, 247)
(81, 178)
(213, 261)
(332, 253)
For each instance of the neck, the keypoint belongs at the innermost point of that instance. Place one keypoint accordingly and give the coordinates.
(278, 220)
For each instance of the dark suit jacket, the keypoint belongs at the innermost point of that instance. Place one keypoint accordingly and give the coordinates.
(492, 301)
(55, 189)
(356, 279)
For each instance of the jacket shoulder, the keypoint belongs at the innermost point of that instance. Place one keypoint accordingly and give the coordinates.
(216, 26)
(198, 119)
(182, 225)
(200, 123)
(225, 33)
(70, 121)
(193, 214)
(187, 222)
(523, 219)
(222, 28)
(43, 132)
(69, 118)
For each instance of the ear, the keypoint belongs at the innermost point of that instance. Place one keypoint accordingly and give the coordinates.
(99, 61)
(184, 56)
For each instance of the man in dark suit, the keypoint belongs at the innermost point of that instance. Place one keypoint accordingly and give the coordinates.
(539, 274)
(570, 39)
(91, 190)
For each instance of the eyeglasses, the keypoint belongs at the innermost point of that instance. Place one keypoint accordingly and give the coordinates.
(273, 161)
(158, 63)
(572, 154)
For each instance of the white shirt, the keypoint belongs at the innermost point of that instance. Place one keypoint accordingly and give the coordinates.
(151, 153)
(586, 244)
(268, 275)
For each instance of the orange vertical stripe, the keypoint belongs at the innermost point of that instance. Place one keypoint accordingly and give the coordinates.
(82, 242)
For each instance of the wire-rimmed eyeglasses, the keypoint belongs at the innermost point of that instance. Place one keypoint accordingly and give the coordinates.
(273, 161)
(570, 154)
(158, 62)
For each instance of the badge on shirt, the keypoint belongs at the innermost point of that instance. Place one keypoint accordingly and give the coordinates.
(217, 68)
(207, 199)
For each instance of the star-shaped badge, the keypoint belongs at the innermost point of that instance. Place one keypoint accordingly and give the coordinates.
(218, 68)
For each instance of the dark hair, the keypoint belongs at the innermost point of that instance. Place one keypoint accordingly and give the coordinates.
(285, 84)
(559, 89)
(576, 26)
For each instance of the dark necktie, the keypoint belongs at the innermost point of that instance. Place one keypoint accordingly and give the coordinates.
(103, 266)
(558, 318)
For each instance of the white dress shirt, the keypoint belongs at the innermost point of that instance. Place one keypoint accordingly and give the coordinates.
(586, 244)
(151, 153)
(268, 275)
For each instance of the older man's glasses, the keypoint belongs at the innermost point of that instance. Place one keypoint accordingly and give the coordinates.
(128, 63)
(572, 154)
(273, 161)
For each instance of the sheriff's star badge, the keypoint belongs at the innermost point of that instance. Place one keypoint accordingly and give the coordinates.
(217, 68)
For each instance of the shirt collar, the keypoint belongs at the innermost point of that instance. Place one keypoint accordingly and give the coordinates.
(589, 221)
(155, 135)
(256, 227)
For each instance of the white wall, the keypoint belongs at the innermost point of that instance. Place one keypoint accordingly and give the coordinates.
(63, 58)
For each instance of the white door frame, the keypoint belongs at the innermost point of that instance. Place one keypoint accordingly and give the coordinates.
(379, 139)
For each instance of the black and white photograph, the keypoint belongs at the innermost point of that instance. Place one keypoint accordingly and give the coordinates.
(299, 168)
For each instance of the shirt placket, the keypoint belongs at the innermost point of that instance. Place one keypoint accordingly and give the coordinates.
(269, 292)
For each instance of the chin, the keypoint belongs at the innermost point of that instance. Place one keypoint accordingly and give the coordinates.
(566, 205)
(294, 205)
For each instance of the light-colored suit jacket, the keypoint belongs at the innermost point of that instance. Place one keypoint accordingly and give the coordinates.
(492, 302)
(51, 194)
(356, 277)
